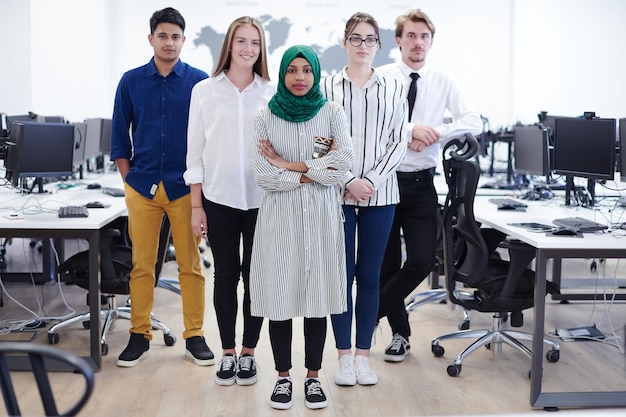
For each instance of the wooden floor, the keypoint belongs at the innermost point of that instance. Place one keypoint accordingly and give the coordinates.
(167, 384)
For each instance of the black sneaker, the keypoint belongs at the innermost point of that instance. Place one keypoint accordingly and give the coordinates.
(246, 370)
(314, 395)
(225, 375)
(281, 397)
(137, 349)
(199, 351)
(397, 349)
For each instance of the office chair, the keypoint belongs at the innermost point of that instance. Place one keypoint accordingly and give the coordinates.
(41, 358)
(116, 264)
(500, 287)
(436, 293)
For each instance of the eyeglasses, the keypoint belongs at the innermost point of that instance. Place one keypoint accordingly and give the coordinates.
(369, 42)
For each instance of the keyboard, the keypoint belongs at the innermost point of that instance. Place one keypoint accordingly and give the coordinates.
(580, 224)
(73, 211)
(508, 201)
(115, 192)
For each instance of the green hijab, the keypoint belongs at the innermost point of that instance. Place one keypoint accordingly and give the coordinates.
(294, 108)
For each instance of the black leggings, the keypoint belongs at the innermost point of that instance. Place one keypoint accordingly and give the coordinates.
(229, 230)
(281, 334)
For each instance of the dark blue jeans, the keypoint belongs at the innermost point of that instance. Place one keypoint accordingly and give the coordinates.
(416, 216)
(363, 263)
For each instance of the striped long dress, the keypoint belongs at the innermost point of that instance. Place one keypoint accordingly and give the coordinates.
(298, 266)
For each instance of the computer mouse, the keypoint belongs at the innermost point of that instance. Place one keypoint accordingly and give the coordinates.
(505, 206)
(564, 231)
(95, 204)
(94, 186)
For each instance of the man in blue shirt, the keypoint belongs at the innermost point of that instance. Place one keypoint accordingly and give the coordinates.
(149, 146)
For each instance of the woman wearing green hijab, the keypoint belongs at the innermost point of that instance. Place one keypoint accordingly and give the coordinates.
(298, 266)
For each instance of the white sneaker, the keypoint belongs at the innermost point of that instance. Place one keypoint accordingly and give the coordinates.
(345, 375)
(364, 374)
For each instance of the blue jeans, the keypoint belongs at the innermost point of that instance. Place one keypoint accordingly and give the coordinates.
(363, 262)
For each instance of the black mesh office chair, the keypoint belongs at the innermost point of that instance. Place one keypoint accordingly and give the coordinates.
(40, 358)
(504, 288)
(115, 267)
(436, 293)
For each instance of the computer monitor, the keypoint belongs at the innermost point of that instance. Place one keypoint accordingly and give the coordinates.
(622, 149)
(30, 117)
(40, 150)
(105, 136)
(547, 121)
(530, 151)
(585, 147)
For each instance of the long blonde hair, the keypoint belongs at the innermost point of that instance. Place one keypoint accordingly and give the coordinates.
(260, 66)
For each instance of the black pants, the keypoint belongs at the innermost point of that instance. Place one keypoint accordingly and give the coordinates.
(416, 215)
(281, 335)
(229, 230)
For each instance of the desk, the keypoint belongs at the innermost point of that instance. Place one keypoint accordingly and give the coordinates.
(48, 225)
(553, 247)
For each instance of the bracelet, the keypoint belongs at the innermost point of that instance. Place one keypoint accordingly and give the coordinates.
(193, 207)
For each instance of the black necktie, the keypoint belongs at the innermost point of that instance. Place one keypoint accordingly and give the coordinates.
(412, 92)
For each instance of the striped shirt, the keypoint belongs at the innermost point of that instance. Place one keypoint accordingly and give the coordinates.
(376, 115)
(298, 266)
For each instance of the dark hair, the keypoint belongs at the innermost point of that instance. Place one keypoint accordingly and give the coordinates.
(414, 16)
(260, 66)
(167, 15)
(357, 18)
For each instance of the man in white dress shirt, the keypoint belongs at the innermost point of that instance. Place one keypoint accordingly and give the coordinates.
(416, 214)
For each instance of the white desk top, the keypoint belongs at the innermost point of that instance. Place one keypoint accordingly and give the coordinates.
(39, 210)
(544, 212)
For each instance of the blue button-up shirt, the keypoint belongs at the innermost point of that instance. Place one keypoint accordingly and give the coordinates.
(150, 126)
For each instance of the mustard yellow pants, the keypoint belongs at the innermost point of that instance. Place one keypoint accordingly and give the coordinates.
(144, 225)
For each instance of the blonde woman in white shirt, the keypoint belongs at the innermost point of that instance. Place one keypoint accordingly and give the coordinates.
(376, 108)
(224, 193)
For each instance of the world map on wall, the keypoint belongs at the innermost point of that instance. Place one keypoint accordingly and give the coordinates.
(332, 56)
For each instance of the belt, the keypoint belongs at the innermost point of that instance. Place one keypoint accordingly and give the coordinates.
(424, 174)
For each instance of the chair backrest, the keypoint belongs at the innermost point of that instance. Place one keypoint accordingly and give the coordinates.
(501, 286)
(39, 356)
(465, 252)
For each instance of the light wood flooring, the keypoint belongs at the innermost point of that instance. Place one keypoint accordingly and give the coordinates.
(167, 384)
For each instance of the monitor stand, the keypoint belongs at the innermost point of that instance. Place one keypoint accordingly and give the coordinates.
(37, 182)
(570, 188)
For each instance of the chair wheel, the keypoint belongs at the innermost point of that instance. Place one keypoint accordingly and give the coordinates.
(53, 338)
(169, 339)
(437, 350)
(553, 355)
(104, 349)
(454, 370)
(464, 325)
(86, 324)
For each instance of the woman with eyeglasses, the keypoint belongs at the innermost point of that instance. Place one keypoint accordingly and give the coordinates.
(377, 109)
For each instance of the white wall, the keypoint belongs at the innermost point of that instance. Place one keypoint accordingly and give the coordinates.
(512, 57)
